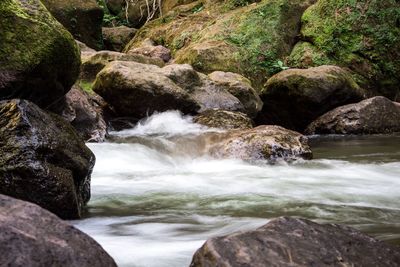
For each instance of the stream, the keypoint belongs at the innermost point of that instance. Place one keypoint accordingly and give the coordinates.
(156, 197)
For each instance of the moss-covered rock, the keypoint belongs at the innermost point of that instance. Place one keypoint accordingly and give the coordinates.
(224, 119)
(237, 36)
(363, 36)
(81, 18)
(294, 98)
(39, 59)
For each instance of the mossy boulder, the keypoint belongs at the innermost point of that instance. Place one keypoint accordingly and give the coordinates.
(221, 35)
(294, 98)
(43, 160)
(224, 119)
(363, 36)
(377, 115)
(81, 18)
(39, 59)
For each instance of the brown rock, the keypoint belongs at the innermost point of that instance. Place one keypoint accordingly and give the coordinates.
(32, 236)
(150, 49)
(262, 143)
(296, 242)
(371, 116)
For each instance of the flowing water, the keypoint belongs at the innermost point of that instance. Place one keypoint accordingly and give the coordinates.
(156, 197)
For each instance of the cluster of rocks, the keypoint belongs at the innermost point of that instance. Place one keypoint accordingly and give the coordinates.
(56, 93)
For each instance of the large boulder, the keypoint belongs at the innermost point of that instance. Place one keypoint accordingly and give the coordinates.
(363, 36)
(32, 236)
(93, 63)
(115, 38)
(269, 143)
(137, 90)
(43, 160)
(81, 18)
(376, 115)
(296, 242)
(39, 59)
(294, 98)
(223, 119)
(245, 37)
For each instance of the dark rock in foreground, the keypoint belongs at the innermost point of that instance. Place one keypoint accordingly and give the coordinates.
(296, 242)
(32, 236)
(43, 160)
(39, 59)
(294, 98)
(266, 142)
(377, 115)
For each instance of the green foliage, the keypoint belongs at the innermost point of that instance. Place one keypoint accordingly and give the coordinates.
(110, 20)
(86, 86)
(258, 39)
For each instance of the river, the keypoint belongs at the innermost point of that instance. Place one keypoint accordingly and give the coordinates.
(156, 197)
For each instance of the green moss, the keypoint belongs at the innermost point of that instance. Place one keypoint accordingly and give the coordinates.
(86, 86)
(361, 35)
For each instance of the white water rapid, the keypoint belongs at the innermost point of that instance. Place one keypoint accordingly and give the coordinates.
(156, 198)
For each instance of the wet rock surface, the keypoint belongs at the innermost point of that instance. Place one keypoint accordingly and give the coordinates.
(32, 236)
(269, 143)
(377, 115)
(296, 242)
(43, 160)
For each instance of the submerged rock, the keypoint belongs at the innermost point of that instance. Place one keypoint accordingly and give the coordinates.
(223, 119)
(116, 38)
(32, 236)
(39, 59)
(294, 98)
(43, 160)
(81, 18)
(296, 242)
(371, 116)
(262, 143)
